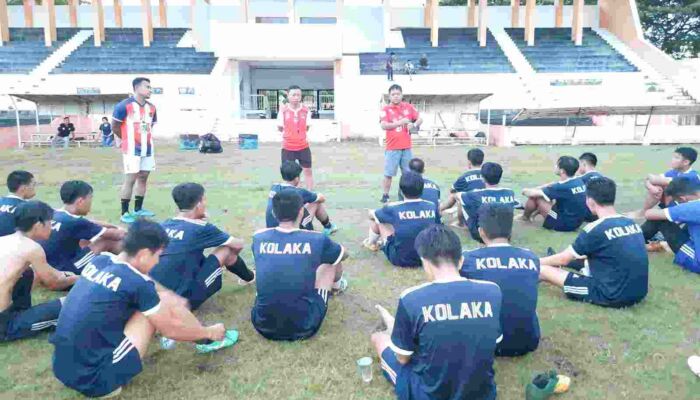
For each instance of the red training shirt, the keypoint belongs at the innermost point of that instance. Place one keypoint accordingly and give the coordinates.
(398, 138)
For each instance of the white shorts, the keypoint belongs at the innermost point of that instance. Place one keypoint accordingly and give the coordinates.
(134, 164)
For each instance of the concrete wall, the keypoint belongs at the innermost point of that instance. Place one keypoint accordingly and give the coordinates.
(283, 78)
(132, 16)
(621, 18)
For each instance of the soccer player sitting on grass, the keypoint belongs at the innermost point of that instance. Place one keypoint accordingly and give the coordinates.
(296, 271)
(441, 343)
(491, 174)
(113, 311)
(586, 171)
(684, 241)
(22, 261)
(563, 203)
(617, 274)
(431, 191)
(75, 239)
(397, 224)
(313, 202)
(467, 182)
(516, 271)
(21, 185)
(183, 268)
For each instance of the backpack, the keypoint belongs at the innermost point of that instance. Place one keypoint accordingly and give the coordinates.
(209, 143)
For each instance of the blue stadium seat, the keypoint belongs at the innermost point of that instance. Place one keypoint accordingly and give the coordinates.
(458, 52)
(123, 52)
(26, 49)
(555, 52)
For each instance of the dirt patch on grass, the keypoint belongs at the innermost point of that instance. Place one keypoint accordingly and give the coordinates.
(562, 364)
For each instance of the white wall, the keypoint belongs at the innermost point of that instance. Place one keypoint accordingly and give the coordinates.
(132, 16)
(282, 78)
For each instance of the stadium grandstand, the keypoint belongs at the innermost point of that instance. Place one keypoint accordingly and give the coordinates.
(519, 74)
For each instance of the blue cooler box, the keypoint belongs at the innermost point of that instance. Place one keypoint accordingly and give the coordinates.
(248, 142)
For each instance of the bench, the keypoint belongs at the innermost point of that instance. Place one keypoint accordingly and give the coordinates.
(44, 139)
(441, 137)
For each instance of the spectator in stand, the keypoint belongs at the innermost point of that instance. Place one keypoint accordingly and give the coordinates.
(107, 135)
(64, 130)
(410, 69)
(390, 66)
(423, 62)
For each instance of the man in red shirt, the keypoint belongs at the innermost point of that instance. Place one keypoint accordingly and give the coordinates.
(294, 121)
(397, 119)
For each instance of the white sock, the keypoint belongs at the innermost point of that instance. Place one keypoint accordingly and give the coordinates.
(373, 237)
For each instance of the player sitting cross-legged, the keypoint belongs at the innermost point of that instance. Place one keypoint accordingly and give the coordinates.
(183, 267)
(296, 271)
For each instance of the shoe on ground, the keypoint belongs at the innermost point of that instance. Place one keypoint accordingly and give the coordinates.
(243, 282)
(694, 364)
(341, 286)
(128, 218)
(330, 230)
(115, 393)
(542, 386)
(385, 198)
(229, 340)
(370, 246)
(143, 213)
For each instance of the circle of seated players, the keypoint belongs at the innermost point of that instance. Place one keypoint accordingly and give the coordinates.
(489, 294)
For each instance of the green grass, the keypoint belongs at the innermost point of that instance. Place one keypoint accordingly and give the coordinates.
(638, 353)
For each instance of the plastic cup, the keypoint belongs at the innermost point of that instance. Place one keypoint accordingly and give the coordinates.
(364, 368)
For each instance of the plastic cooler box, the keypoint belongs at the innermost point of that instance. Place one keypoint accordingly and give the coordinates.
(248, 142)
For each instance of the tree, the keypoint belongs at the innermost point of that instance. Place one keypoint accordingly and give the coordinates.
(672, 25)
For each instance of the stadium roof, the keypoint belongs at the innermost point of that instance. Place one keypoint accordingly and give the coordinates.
(566, 112)
(75, 98)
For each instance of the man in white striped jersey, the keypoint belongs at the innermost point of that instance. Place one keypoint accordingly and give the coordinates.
(132, 122)
(22, 260)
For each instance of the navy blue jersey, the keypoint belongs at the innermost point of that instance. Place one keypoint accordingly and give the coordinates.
(471, 201)
(90, 331)
(67, 230)
(689, 214)
(431, 193)
(590, 175)
(307, 196)
(517, 272)
(409, 218)
(617, 258)
(8, 205)
(450, 330)
(570, 208)
(182, 258)
(285, 276)
(674, 174)
(469, 180)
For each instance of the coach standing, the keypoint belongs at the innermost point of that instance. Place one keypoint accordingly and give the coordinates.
(133, 122)
(398, 118)
(294, 121)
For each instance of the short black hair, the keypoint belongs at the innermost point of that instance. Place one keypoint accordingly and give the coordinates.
(293, 87)
(688, 153)
(683, 186)
(105, 118)
(187, 195)
(589, 158)
(395, 87)
(475, 156)
(438, 243)
(496, 220)
(290, 170)
(145, 234)
(74, 190)
(137, 81)
(416, 165)
(491, 173)
(411, 184)
(66, 117)
(568, 164)
(286, 205)
(18, 178)
(602, 190)
(28, 213)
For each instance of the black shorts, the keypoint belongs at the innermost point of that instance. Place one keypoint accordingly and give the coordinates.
(206, 283)
(553, 221)
(586, 289)
(303, 157)
(316, 307)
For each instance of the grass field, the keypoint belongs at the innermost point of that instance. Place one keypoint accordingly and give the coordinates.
(637, 353)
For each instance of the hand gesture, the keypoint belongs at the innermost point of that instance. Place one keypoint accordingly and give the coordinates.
(216, 332)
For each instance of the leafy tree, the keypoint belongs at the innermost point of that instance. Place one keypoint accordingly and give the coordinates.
(672, 25)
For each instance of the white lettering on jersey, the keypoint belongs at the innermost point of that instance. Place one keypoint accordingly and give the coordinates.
(175, 234)
(578, 189)
(471, 310)
(289, 248)
(272, 194)
(429, 185)
(101, 278)
(472, 178)
(8, 209)
(620, 231)
(423, 214)
(513, 263)
(55, 226)
(500, 199)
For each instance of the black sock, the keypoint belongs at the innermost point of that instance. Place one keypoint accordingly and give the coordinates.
(138, 203)
(326, 223)
(125, 206)
(239, 268)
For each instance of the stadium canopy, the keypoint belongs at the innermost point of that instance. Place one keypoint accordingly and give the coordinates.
(567, 112)
(71, 98)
